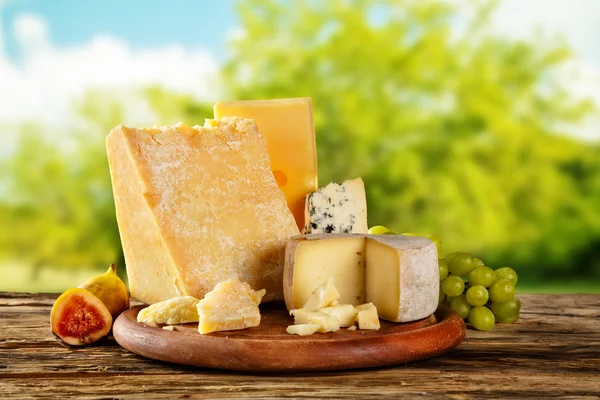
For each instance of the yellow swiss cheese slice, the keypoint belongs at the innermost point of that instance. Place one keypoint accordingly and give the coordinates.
(287, 125)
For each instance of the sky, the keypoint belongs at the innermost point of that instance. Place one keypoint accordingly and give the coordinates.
(53, 51)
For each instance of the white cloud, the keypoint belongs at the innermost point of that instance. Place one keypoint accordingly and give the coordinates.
(45, 83)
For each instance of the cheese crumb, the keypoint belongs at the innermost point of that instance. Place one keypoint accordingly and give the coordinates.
(168, 328)
(178, 310)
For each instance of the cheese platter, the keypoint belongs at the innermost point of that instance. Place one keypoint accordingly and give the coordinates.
(268, 347)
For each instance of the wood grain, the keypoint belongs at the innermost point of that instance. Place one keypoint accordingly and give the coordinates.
(268, 347)
(553, 351)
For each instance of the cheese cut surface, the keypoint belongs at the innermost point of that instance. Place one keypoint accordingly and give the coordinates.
(232, 305)
(337, 208)
(367, 317)
(398, 274)
(178, 310)
(345, 314)
(323, 296)
(312, 259)
(287, 125)
(197, 206)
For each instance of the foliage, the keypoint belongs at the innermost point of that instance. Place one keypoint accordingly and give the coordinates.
(454, 130)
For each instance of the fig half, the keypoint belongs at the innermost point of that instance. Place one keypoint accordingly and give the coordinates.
(79, 318)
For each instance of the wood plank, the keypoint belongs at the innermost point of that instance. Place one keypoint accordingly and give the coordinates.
(554, 350)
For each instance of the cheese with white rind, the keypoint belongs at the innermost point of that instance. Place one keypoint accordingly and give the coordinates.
(323, 296)
(402, 276)
(303, 329)
(337, 208)
(367, 317)
(310, 261)
(345, 314)
(197, 206)
(178, 310)
(398, 274)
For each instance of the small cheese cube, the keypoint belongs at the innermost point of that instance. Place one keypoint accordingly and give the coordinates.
(337, 208)
(352, 328)
(367, 317)
(345, 314)
(178, 310)
(302, 329)
(322, 296)
(168, 328)
(231, 305)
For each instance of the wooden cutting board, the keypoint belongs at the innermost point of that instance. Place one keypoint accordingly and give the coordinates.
(269, 347)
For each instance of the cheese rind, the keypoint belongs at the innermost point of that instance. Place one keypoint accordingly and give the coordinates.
(287, 125)
(337, 208)
(231, 305)
(197, 206)
(400, 274)
(178, 310)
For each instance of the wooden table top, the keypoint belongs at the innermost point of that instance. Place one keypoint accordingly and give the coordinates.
(552, 351)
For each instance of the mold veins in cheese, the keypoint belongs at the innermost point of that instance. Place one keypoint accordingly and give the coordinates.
(398, 274)
(197, 206)
(337, 208)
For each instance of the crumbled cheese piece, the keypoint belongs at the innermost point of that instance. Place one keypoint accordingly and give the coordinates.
(231, 305)
(178, 310)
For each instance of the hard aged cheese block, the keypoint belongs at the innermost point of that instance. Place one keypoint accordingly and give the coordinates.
(230, 306)
(398, 274)
(197, 206)
(312, 259)
(337, 208)
(178, 310)
(288, 127)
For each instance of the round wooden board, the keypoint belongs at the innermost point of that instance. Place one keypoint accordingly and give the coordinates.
(269, 347)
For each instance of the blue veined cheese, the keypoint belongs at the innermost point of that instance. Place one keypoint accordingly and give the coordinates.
(337, 208)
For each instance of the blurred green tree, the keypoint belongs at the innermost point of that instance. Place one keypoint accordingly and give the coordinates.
(455, 131)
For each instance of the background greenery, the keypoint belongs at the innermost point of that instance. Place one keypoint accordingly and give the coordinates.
(455, 131)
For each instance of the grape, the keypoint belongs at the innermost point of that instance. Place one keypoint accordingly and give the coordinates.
(477, 295)
(508, 320)
(453, 286)
(450, 257)
(378, 230)
(483, 276)
(502, 291)
(463, 263)
(442, 296)
(438, 244)
(461, 306)
(507, 273)
(508, 309)
(482, 318)
(390, 233)
(443, 269)
(409, 234)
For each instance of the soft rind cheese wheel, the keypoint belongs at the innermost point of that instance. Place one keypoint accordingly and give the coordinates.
(398, 274)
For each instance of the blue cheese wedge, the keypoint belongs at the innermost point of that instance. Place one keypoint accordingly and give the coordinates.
(337, 208)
